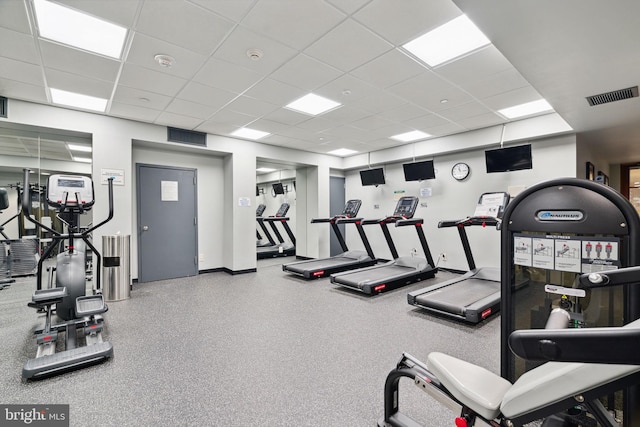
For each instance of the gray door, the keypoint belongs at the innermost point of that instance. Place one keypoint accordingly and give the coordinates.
(167, 222)
(336, 206)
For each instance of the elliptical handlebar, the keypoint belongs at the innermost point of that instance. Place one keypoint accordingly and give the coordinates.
(26, 208)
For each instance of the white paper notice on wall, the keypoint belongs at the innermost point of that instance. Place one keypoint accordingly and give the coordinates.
(169, 191)
(116, 174)
(425, 192)
(244, 202)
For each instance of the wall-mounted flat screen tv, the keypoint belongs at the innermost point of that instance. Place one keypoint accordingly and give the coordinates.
(509, 159)
(419, 171)
(372, 176)
(278, 188)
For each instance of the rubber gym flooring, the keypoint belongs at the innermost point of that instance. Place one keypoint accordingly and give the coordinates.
(253, 349)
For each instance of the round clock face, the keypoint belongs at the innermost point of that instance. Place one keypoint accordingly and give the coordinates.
(460, 171)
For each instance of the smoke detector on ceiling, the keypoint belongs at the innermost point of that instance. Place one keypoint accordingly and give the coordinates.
(165, 60)
(255, 54)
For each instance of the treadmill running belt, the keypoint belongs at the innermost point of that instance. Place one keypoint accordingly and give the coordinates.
(378, 274)
(457, 296)
(321, 263)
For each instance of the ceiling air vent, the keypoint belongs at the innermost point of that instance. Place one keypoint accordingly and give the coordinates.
(4, 104)
(186, 136)
(616, 95)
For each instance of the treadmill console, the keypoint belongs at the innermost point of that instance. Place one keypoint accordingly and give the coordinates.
(284, 208)
(492, 204)
(67, 189)
(351, 208)
(260, 209)
(406, 207)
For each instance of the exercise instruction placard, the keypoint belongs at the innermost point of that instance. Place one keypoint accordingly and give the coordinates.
(578, 254)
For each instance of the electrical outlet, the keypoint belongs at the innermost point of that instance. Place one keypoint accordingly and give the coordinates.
(443, 257)
(201, 258)
(414, 252)
(376, 206)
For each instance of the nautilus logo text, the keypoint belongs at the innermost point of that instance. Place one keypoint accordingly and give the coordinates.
(560, 215)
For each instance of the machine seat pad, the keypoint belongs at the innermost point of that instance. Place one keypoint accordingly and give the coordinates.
(49, 296)
(474, 386)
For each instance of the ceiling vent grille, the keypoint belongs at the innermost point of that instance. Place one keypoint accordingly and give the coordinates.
(4, 105)
(186, 136)
(616, 95)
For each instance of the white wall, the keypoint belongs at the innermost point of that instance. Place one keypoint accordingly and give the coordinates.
(452, 199)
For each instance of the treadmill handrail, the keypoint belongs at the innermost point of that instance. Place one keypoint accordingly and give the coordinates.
(347, 220)
(275, 218)
(409, 221)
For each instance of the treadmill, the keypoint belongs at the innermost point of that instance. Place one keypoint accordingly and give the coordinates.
(281, 248)
(347, 260)
(260, 240)
(475, 295)
(402, 270)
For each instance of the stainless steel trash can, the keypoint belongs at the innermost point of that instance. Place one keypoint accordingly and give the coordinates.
(116, 267)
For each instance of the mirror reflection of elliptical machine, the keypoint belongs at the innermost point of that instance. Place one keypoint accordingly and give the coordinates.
(80, 314)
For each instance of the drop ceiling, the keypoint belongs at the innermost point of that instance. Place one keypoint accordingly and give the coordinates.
(349, 51)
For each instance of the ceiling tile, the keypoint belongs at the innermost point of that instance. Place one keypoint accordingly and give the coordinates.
(19, 46)
(207, 95)
(13, 15)
(80, 84)
(481, 121)
(426, 122)
(233, 10)
(183, 24)
(250, 106)
(267, 126)
(144, 49)
(78, 62)
(428, 89)
(379, 102)
(149, 80)
(362, 46)
(345, 114)
(235, 47)
(495, 84)
(141, 98)
(224, 75)
(316, 124)
(346, 89)
(512, 98)
(287, 117)
(391, 68)
(177, 120)
(21, 71)
(404, 112)
(228, 117)
(371, 123)
(464, 111)
(133, 112)
(348, 6)
(275, 92)
(306, 73)
(19, 90)
(412, 18)
(294, 23)
(191, 109)
(446, 129)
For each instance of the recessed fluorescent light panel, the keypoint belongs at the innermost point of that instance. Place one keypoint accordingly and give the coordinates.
(83, 148)
(313, 104)
(78, 100)
(451, 40)
(265, 170)
(414, 135)
(73, 28)
(81, 159)
(526, 109)
(342, 152)
(249, 133)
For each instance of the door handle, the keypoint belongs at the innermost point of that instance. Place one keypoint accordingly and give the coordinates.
(145, 228)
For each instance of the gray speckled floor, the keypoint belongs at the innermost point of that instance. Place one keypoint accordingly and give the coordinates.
(247, 350)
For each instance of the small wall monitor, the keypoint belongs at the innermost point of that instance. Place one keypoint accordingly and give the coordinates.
(372, 176)
(278, 188)
(419, 171)
(509, 159)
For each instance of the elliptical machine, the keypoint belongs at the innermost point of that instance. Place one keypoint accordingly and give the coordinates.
(81, 316)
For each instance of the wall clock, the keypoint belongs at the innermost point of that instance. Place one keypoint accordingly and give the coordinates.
(460, 171)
